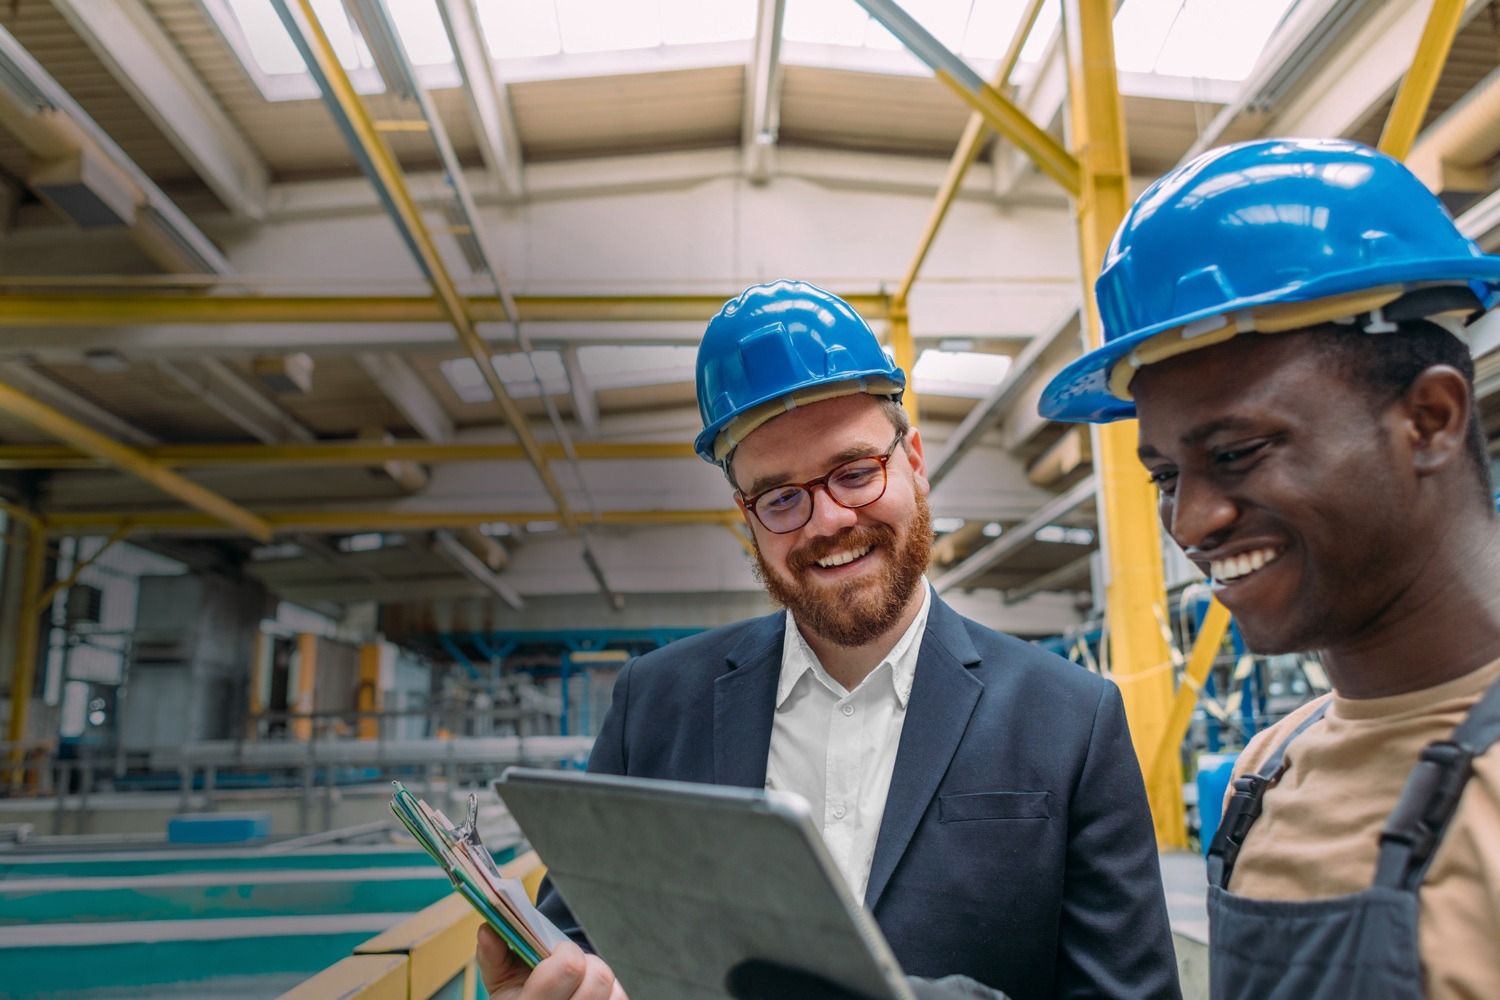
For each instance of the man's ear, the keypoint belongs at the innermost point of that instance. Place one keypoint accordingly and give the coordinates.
(914, 456)
(739, 502)
(1436, 412)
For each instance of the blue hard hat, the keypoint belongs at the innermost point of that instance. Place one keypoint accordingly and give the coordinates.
(1268, 235)
(776, 346)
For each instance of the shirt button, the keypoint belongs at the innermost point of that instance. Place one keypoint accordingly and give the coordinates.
(848, 709)
(838, 812)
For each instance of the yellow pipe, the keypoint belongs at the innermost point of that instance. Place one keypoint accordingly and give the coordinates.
(1010, 121)
(51, 310)
(303, 703)
(1410, 107)
(88, 440)
(287, 522)
(1210, 638)
(393, 183)
(322, 454)
(368, 694)
(28, 632)
(964, 156)
(905, 351)
(1139, 654)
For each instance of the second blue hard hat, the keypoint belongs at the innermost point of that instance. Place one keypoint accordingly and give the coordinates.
(1267, 236)
(777, 346)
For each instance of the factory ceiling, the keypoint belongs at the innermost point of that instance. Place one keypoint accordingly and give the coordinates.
(195, 267)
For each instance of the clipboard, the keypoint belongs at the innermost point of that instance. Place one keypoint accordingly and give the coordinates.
(676, 884)
(467, 862)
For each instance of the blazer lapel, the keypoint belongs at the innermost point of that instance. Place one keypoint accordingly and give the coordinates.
(745, 705)
(943, 695)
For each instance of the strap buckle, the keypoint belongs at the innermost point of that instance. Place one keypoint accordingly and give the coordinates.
(1239, 815)
(1431, 795)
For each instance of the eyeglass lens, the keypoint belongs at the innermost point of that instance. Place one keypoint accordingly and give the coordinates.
(853, 484)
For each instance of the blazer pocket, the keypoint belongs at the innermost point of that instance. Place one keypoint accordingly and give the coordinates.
(993, 805)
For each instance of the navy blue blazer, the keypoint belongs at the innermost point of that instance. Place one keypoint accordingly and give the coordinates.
(1016, 845)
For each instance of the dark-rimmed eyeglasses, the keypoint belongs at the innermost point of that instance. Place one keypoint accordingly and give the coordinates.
(856, 483)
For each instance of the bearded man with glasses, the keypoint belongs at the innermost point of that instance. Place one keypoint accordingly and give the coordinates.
(979, 794)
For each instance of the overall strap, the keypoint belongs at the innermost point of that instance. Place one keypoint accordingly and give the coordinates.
(1416, 826)
(1244, 807)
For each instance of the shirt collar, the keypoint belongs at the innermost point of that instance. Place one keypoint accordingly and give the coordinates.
(798, 659)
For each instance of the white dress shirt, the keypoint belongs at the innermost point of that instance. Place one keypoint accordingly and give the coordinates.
(837, 748)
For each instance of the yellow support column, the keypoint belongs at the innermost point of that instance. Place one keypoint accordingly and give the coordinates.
(368, 698)
(307, 672)
(28, 632)
(905, 351)
(1135, 590)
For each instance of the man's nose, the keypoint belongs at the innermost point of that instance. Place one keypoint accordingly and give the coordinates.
(1200, 514)
(828, 515)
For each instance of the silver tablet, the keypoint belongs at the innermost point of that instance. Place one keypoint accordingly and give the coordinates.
(677, 883)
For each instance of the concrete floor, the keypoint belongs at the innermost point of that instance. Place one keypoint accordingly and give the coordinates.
(1187, 907)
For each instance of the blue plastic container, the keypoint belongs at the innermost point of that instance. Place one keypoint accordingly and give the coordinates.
(218, 828)
(1214, 772)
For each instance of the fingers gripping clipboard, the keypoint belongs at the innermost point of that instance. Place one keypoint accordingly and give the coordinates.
(676, 884)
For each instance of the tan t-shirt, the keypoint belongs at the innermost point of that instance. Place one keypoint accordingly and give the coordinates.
(1319, 833)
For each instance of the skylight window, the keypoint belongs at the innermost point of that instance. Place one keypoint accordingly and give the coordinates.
(516, 374)
(1214, 39)
(612, 367)
(958, 373)
(421, 29)
(272, 48)
(520, 28)
(979, 29)
(694, 22)
(606, 25)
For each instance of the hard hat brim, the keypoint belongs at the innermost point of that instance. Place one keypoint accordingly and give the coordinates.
(1081, 392)
(873, 382)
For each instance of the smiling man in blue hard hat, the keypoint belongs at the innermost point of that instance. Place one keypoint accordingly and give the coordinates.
(1285, 320)
(979, 794)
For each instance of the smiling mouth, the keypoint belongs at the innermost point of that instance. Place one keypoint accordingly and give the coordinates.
(1237, 567)
(842, 558)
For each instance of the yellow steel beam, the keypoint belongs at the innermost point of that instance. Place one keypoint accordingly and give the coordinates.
(1139, 654)
(288, 522)
(52, 310)
(1210, 638)
(28, 631)
(1010, 121)
(905, 351)
(964, 156)
(392, 183)
(1410, 107)
(330, 453)
(90, 441)
(997, 109)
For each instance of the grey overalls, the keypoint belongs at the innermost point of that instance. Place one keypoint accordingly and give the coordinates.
(1361, 946)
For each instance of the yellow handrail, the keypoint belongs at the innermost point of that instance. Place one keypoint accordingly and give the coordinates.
(420, 956)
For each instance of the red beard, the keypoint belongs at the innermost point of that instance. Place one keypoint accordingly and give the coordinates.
(855, 612)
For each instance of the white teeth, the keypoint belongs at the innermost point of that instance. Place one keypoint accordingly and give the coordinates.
(840, 558)
(1234, 567)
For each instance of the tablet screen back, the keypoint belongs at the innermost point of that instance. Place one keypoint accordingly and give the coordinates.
(675, 884)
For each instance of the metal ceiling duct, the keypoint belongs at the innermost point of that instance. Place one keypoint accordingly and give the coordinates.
(1453, 154)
